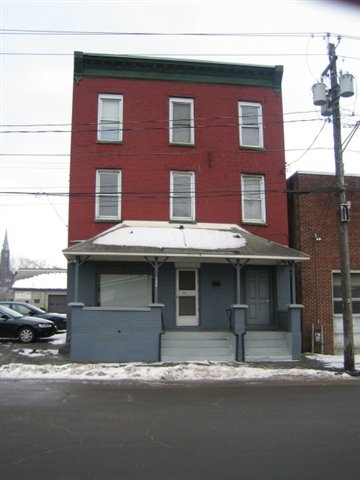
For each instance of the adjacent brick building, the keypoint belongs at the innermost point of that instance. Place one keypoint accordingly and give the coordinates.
(314, 229)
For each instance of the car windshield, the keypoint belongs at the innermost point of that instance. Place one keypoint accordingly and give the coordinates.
(9, 312)
(32, 308)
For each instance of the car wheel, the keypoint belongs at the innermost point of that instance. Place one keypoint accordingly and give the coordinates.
(26, 335)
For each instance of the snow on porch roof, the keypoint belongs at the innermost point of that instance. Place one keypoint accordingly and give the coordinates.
(202, 240)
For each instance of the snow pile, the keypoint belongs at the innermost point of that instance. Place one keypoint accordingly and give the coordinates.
(156, 372)
(330, 367)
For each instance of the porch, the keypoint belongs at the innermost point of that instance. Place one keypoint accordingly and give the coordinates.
(138, 334)
(154, 291)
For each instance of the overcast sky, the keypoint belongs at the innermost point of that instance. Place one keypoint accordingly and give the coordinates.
(38, 40)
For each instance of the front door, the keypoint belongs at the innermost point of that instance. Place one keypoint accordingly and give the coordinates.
(257, 293)
(187, 297)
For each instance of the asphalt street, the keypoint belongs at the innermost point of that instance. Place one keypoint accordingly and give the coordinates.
(109, 430)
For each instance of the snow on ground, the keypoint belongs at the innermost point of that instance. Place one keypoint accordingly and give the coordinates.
(329, 367)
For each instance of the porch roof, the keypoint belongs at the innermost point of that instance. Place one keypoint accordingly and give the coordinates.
(207, 242)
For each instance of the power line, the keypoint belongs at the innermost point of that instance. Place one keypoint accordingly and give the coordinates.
(6, 31)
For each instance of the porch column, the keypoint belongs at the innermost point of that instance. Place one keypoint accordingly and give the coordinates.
(237, 326)
(238, 266)
(156, 265)
(294, 322)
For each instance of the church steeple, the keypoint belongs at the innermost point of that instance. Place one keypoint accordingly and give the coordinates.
(6, 242)
(6, 275)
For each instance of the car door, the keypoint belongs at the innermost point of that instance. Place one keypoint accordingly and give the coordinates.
(8, 327)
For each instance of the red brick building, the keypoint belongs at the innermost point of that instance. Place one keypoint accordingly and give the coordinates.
(178, 199)
(147, 92)
(314, 229)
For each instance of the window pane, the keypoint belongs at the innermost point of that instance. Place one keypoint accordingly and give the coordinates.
(338, 307)
(252, 209)
(187, 306)
(108, 194)
(187, 280)
(253, 198)
(181, 122)
(182, 195)
(250, 136)
(110, 118)
(355, 292)
(249, 115)
(250, 121)
(125, 290)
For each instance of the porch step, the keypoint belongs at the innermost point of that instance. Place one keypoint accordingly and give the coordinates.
(266, 346)
(213, 346)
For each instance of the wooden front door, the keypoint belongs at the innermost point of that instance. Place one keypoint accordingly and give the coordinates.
(187, 297)
(257, 297)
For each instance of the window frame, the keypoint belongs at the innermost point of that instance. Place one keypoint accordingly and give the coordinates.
(261, 194)
(191, 127)
(259, 125)
(99, 195)
(190, 196)
(100, 121)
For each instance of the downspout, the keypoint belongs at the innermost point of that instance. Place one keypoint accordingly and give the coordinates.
(76, 280)
(292, 283)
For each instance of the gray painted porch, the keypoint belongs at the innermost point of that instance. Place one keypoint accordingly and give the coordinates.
(138, 335)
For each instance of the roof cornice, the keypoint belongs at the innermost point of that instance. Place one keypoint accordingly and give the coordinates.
(147, 68)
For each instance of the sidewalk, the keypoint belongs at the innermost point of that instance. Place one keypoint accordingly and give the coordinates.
(49, 359)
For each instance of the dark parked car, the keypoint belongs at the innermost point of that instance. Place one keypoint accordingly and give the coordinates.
(25, 329)
(31, 311)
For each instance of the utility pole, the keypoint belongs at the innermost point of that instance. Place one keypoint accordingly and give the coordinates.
(333, 101)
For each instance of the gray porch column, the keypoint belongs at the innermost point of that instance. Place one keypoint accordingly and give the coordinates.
(294, 322)
(237, 326)
(156, 265)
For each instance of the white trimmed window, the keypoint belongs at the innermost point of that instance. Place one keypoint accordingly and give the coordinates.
(110, 118)
(251, 125)
(125, 290)
(182, 196)
(181, 118)
(253, 198)
(108, 195)
(355, 292)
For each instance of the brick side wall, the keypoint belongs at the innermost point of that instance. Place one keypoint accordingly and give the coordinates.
(312, 215)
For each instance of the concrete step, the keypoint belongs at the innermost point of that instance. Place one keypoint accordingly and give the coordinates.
(266, 346)
(214, 346)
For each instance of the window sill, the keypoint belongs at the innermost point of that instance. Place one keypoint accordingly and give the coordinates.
(191, 145)
(107, 220)
(256, 149)
(111, 142)
(182, 221)
(254, 223)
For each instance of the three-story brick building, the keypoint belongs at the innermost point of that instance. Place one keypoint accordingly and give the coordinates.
(178, 229)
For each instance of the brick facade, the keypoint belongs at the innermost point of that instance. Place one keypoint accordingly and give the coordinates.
(146, 158)
(314, 229)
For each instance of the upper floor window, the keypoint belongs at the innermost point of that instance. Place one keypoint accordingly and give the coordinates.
(253, 198)
(110, 118)
(108, 195)
(251, 125)
(182, 121)
(182, 196)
